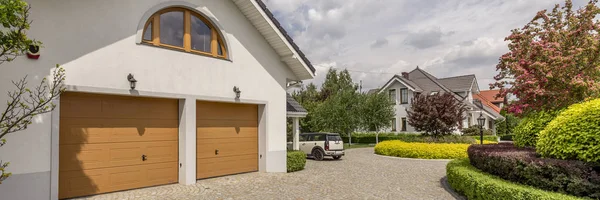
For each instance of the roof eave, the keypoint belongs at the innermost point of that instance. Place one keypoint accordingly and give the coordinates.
(290, 54)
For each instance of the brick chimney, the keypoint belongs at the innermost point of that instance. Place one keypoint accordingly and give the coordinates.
(405, 75)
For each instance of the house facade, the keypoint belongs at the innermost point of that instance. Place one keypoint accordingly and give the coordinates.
(402, 88)
(210, 96)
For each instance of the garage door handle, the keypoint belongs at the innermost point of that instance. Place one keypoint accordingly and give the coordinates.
(216, 152)
(144, 157)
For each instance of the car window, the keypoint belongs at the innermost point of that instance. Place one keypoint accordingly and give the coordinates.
(334, 138)
(302, 138)
(318, 138)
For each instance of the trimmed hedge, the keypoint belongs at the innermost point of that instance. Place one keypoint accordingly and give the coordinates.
(370, 138)
(490, 138)
(477, 185)
(526, 133)
(521, 165)
(295, 161)
(399, 148)
(508, 137)
(573, 134)
(474, 130)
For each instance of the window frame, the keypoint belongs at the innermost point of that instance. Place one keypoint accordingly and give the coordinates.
(404, 123)
(395, 98)
(403, 100)
(216, 37)
(394, 126)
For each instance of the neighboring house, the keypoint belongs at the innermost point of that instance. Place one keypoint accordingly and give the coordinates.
(182, 122)
(490, 95)
(487, 102)
(402, 88)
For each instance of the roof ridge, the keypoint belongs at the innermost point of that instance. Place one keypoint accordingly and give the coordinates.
(458, 76)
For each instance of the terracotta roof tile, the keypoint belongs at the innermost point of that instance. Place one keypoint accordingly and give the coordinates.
(486, 102)
(491, 95)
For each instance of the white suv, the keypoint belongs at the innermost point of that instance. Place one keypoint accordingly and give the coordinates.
(319, 145)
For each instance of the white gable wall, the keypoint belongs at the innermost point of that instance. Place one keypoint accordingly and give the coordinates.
(95, 42)
(400, 109)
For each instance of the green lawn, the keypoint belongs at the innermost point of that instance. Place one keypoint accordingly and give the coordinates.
(346, 146)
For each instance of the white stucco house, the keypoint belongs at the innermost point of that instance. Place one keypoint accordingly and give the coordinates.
(402, 88)
(182, 122)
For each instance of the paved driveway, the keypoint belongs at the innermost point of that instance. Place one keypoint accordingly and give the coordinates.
(359, 175)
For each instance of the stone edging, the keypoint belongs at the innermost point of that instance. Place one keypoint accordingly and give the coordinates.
(446, 186)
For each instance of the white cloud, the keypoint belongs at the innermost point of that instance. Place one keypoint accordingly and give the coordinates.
(376, 39)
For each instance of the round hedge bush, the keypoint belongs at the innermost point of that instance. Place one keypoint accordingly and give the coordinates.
(526, 133)
(574, 134)
(402, 149)
(295, 161)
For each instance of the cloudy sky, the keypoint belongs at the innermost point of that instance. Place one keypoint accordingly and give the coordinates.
(375, 39)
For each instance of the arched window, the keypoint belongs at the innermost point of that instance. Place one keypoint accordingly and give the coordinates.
(182, 29)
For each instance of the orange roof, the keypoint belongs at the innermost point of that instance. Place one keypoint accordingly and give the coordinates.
(491, 95)
(486, 102)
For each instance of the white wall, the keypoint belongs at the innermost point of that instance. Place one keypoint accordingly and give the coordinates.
(400, 109)
(95, 42)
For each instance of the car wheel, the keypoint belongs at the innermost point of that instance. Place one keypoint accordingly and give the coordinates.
(318, 154)
(337, 157)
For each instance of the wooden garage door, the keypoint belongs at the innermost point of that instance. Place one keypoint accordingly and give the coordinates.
(103, 138)
(227, 139)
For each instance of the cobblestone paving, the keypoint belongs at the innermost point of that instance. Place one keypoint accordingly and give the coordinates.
(359, 175)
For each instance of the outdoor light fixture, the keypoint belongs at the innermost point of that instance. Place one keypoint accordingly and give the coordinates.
(237, 92)
(132, 81)
(481, 122)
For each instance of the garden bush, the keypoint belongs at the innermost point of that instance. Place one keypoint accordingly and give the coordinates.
(521, 165)
(295, 161)
(477, 185)
(526, 133)
(508, 137)
(573, 134)
(399, 148)
(474, 130)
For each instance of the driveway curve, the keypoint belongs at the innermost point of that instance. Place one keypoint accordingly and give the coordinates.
(358, 175)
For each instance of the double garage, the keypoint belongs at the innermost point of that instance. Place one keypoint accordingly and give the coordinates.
(110, 143)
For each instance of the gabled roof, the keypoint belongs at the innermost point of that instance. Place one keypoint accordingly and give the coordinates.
(404, 81)
(486, 102)
(491, 95)
(261, 17)
(294, 106)
(458, 83)
(430, 83)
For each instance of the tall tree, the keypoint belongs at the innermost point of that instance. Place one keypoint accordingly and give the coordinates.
(553, 60)
(23, 103)
(376, 111)
(339, 113)
(435, 115)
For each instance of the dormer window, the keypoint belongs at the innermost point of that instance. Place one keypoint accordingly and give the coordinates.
(433, 93)
(184, 30)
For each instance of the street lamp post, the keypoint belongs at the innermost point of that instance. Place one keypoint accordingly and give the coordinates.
(481, 122)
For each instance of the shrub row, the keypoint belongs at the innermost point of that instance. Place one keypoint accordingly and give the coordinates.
(477, 185)
(521, 165)
(371, 139)
(490, 138)
(295, 161)
(399, 148)
(508, 137)
(474, 130)
(573, 134)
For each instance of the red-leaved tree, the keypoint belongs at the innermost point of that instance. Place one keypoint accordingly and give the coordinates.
(435, 115)
(554, 60)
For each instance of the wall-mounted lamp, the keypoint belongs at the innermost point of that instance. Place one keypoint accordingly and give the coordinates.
(132, 81)
(237, 92)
